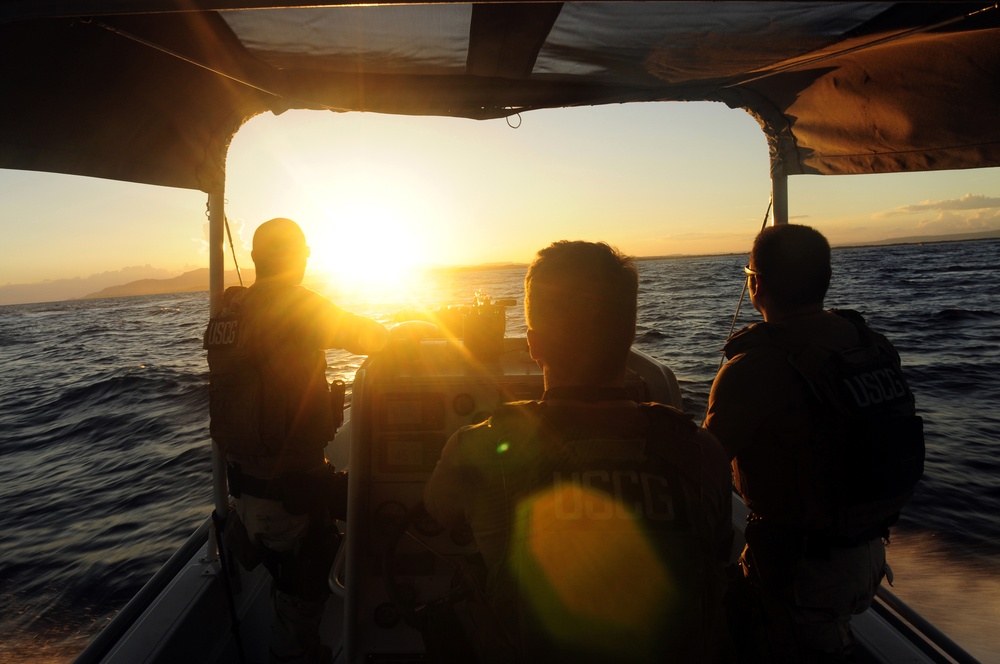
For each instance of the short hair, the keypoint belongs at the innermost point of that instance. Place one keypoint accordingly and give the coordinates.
(793, 261)
(582, 296)
(276, 243)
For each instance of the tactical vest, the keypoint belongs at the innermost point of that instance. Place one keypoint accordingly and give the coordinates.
(859, 463)
(270, 408)
(642, 492)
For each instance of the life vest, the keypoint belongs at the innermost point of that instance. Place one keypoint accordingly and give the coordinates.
(647, 482)
(270, 408)
(863, 454)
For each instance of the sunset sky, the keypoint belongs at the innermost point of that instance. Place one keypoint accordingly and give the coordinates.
(374, 193)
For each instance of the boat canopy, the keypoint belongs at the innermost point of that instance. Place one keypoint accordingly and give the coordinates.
(152, 91)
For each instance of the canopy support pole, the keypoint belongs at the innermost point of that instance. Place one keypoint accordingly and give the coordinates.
(216, 287)
(779, 199)
(216, 250)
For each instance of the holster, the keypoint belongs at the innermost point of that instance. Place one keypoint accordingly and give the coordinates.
(303, 571)
(238, 543)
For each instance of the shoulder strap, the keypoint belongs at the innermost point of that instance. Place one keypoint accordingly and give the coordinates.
(851, 315)
(668, 420)
(752, 336)
(766, 334)
(672, 435)
(517, 414)
(665, 422)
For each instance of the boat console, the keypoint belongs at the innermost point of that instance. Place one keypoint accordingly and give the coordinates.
(406, 403)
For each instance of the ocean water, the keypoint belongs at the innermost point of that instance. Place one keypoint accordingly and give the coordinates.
(104, 453)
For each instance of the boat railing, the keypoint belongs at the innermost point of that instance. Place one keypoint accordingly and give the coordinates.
(110, 635)
(928, 638)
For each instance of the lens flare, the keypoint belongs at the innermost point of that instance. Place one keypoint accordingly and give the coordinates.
(589, 571)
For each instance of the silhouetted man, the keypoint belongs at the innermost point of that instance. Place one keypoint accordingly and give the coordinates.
(604, 523)
(272, 415)
(813, 408)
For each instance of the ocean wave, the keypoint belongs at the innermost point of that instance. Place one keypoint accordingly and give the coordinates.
(955, 314)
(107, 457)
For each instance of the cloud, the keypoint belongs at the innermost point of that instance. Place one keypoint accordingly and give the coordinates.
(967, 202)
(950, 221)
(242, 237)
(969, 214)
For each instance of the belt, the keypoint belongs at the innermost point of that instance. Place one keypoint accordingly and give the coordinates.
(240, 483)
(812, 544)
(820, 544)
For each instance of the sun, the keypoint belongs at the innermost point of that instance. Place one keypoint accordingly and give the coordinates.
(371, 246)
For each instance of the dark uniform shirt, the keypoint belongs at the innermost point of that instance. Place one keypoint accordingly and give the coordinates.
(761, 411)
(287, 328)
(604, 537)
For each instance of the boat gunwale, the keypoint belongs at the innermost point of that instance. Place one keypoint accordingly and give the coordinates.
(127, 617)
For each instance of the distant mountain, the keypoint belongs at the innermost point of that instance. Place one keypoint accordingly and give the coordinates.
(931, 239)
(71, 289)
(146, 280)
(195, 280)
(474, 268)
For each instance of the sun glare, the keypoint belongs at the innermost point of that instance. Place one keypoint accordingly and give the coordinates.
(366, 247)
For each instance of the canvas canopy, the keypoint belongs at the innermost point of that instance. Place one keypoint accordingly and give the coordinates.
(152, 91)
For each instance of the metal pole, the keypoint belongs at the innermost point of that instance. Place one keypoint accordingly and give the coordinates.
(216, 287)
(216, 250)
